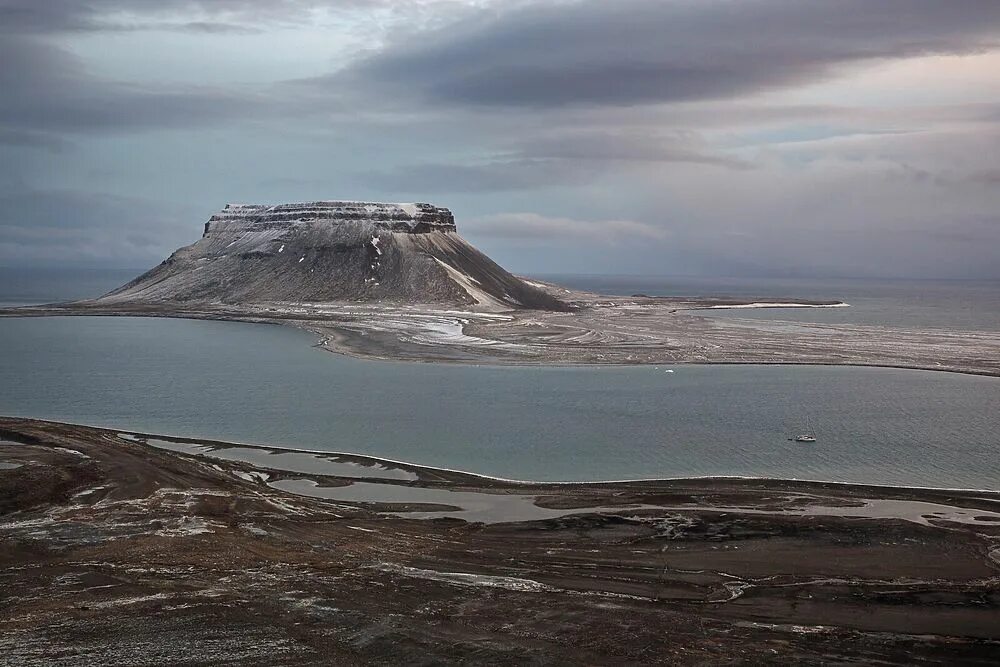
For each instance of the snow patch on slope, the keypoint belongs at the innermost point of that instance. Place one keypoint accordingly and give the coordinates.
(471, 286)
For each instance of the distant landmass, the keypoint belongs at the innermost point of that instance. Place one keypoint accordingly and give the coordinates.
(396, 281)
(333, 251)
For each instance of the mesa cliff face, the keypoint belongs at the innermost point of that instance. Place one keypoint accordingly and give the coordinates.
(415, 218)
(333, 251)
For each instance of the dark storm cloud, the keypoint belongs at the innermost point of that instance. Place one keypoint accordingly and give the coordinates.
(631, 52)
(46, 90)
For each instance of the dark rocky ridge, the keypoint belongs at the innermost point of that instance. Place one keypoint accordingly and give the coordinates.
(333, 251)
(416, 218)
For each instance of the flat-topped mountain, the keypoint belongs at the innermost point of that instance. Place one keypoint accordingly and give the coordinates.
(333, 251)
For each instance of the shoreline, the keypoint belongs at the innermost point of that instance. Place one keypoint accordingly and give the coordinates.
(468, 475)
(848, 486)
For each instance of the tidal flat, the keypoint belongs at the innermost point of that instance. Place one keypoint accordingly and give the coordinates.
(118, 550)
(594, 329)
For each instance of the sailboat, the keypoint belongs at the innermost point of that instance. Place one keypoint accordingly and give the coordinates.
(805, 437)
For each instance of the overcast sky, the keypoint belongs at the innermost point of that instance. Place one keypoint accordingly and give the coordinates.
(712, 137)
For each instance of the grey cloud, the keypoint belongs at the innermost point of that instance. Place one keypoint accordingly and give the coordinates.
(987, 177)
(53, 144)
(66, 225)
(950, 158)
(889, 205)
(964, 251)
(971, 231)
(203, 27)
(712, 115)
(570, 109)
(629, 52)
(534, 226)
(627, 146)
(43, 16)
(48, 16)
(46, 90)
(496, 176)
(213, 27)
(549, 160)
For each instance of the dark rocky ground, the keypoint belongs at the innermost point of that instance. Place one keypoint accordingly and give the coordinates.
(115, 552)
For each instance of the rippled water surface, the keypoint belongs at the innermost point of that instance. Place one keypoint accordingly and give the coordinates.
(266, 384)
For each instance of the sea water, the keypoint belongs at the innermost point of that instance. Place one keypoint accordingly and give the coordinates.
(267, 384)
